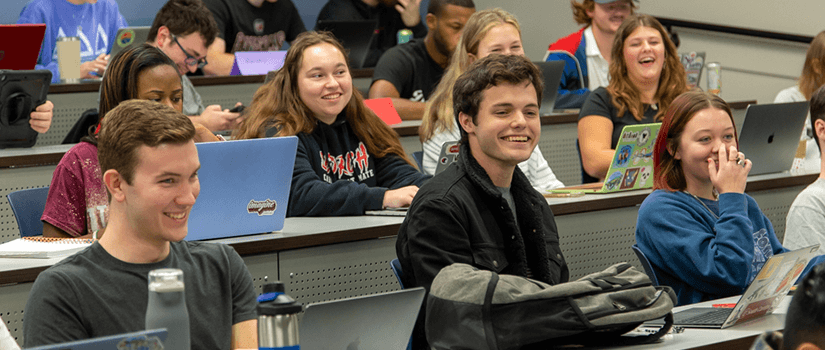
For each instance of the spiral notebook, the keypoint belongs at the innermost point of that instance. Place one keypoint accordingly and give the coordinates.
(42, 247)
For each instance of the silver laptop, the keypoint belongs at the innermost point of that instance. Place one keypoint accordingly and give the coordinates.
(149, 340)
(448, 155)
(127, 36)
(244, 187)
(552, 71)
(770, 135)
(378, 321)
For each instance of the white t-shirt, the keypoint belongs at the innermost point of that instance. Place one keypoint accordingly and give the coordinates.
(805, 223)
(6, 340)
(811, 161)
(535, 168)
(598, 71)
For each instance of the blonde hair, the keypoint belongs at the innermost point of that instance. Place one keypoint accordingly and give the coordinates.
(813, 72)
(438, 113)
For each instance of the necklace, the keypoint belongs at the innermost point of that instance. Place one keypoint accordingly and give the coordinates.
(703, 204)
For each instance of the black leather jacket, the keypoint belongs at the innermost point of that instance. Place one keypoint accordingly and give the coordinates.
(459, 216)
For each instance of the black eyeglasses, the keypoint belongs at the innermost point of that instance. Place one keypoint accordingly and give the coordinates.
(190, 60)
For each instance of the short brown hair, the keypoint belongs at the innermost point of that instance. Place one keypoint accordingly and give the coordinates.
(487, 72)
(184, 17)
(135, 123)
(580, 10)
(667, 170)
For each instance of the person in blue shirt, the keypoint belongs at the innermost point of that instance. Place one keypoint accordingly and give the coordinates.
(94, 22)
(703, 235)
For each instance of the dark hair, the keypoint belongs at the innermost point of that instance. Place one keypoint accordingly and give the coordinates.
(667, 170)
(580, 10)
(817, 110)
(487, 72)
(135, 123)
(436, 6)
(184, 17)
(278, 104)
(805, 320)
(672, 81)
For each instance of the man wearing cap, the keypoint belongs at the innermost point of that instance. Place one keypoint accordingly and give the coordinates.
(587, 52)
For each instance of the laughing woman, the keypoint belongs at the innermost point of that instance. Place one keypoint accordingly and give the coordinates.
(645, 76)
(348, 160)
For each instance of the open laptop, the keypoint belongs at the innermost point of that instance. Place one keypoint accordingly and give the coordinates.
(693, 62)
(127, 36)
(20, 45)
(762, 296)
(244, 187)
(356, 36)
(448, 155)
(770, 135)
(149, 340)
(632, 164)
(552, 71)
(378, 321)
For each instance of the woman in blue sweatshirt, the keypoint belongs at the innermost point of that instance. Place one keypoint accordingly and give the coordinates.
(348, 160)
(703, 235)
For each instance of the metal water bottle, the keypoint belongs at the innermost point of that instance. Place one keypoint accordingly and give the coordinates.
(277, 319)
(167, 307)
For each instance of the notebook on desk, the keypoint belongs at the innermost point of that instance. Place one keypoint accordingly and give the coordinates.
(127, 36)
(244, 187)
(355, 36)
(20, 45)
(762, 297)
(551, 71)
(632, 164)
(770, 135)
(378, 321)
(148, 340)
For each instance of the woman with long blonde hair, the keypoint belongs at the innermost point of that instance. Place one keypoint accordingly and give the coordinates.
(486, 32)
(646, 74)
(348, 160)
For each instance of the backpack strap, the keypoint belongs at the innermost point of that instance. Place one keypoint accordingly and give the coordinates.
(487, 313)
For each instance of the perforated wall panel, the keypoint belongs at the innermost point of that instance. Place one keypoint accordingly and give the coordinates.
(18, 179)
(67, 110)
(775, 205)
(227, 95)
(12, 302)
(339, 270)
(558, 146)
(263, 268)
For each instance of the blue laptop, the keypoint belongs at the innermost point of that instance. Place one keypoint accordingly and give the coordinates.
(149, 340)
(244, 187)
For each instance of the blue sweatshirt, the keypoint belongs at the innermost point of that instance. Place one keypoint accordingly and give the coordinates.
(335, 174)
(94, 24)
(705, 255)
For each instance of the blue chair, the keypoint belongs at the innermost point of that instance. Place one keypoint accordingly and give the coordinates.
(396, 269)
(27, 207)
(419, 159)
(645, 264)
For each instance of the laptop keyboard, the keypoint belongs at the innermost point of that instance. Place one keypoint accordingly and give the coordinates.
(711, 317)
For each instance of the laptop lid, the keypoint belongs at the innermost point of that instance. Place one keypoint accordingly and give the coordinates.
(770, 135)
(356, 36)
(632, 164)
(244, 187)
(127, 36)
(448, 155)
(257, 62)
(378, 321)
(149, 340)
(20, 45)
(693, 62)
(552, 71)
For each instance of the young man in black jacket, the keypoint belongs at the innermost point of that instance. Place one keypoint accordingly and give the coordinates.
(482, 210)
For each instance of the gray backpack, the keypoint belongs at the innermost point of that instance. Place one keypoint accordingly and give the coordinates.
(469, 308)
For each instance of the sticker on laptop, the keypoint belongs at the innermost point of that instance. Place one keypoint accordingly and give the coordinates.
(126, 38)
(261, 208)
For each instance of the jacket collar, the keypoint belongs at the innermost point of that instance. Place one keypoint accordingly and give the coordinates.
(479, 176)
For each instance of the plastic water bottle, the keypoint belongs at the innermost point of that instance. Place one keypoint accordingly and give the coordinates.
(277, 319)
(167, 307)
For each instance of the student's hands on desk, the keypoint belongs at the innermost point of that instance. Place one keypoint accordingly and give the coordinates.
(400, 197)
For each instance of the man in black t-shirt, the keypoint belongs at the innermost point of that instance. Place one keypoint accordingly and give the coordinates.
(391, 15)
(408, 73)
(249, 25)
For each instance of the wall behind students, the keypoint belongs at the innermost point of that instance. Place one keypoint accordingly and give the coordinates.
(752, 68)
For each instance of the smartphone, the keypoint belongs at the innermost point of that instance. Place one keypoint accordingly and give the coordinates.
(237, 109)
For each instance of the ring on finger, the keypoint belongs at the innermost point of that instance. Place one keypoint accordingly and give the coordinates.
(740, 161)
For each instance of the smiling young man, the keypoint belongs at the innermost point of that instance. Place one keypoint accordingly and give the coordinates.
(589, 47)
(408, 73)
(150, 168)
(183, 30)
(482, 210)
